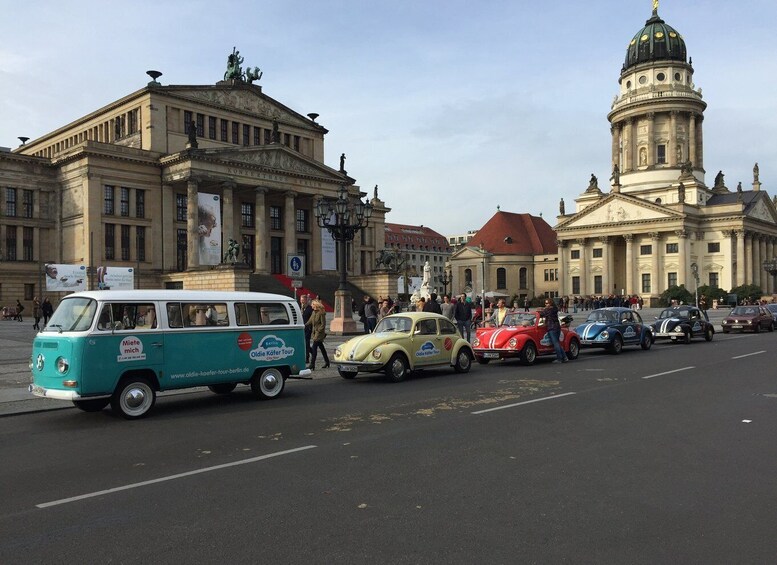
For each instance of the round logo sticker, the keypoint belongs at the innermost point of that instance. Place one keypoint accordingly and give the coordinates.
(448, 344)
(244, 341)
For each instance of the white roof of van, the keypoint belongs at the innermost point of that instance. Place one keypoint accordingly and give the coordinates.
(179, 295)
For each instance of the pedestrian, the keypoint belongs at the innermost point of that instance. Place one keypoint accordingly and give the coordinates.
(36, 313)
(317, 322)
(362, 316)
(497, 318)
(550, 313)
(463, 315)
(371, 314)
(526, 304)
(19, 310)
(448, 308)
(432, 305)
(47, 310)
(385, 309)
(307, 311)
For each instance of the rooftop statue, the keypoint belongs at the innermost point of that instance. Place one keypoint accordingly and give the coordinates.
(755, 172)
(235, 71)
(719, 179)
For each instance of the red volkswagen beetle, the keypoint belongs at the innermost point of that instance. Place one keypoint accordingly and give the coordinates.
(522, 335)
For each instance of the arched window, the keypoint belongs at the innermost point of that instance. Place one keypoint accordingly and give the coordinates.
(468, 277)
(501, 278)
(522, 278)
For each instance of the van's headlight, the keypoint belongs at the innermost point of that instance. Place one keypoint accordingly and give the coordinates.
(63, 365)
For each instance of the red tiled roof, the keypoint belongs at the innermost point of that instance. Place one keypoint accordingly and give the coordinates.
(405, 235)
(516, 234)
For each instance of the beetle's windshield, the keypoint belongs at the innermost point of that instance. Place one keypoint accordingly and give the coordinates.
(602, 316)
(673, 314)
(72, 315)
(394, 324)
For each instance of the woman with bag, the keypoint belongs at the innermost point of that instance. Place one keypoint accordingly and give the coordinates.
(317, 322)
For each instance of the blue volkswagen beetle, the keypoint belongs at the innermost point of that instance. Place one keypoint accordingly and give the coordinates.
(612, 328)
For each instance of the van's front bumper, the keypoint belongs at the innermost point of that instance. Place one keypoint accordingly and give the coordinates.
(53, 393)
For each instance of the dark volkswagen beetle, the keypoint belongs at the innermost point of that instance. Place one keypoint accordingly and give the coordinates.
(682, 323)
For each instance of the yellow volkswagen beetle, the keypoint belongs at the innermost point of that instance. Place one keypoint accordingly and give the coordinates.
(402, 343)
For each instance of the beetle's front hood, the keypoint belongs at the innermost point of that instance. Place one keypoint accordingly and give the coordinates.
(496, 338)
(666, 325)
(357, 348)
(591, 330)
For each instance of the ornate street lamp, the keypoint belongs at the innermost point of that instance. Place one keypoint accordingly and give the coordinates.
(343, 220)
(445, 279)
(771, 268)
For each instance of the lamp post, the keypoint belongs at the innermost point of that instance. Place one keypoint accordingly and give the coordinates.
(771, 268)
(343, 220)
(445, 278)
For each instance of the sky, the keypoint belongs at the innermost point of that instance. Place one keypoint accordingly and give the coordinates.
(452, 108)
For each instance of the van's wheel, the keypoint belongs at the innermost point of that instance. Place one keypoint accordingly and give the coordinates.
(397, 368)
(222, 388)
(133, 398)
(267, 384)
(528, 353)
(92, 404)
(463, 361)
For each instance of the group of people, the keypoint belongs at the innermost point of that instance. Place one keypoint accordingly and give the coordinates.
(594, 302)
(40, 309)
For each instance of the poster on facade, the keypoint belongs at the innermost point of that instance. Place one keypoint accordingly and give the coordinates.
(208, 228)
(328, 249)
(115, 278)
(413, 284)
(65, 277)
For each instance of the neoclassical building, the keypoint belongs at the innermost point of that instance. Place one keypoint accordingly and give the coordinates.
(160, 181)
(660, 224)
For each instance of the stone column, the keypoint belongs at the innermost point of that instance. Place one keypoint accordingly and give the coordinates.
(165, 251)
(699, 162)
(672, 149)
(290, 224)
(192, 243)
(748, 258)
(651, 148)
(692, 140)
(606, 260)
(769, 257)
(228, 216)
(615, 131)
(630, 146)
(562, 268)
(682, 249)
(656, 285)
(759, 254)
(630, 264)
(314, 259)
(262, 238)
(583, 267)
(741, 261)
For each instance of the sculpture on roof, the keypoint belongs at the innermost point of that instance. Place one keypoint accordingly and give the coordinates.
(755, 172)
(681, 193)
(375, 195)
(616, 174)
(342, 163)
(594, 182)
(561, 207)
(686, 169)
(739, 186)
(719, 180)
(235, 71)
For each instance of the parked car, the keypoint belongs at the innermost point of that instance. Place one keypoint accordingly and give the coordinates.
(613, 328)
(682, 323)
(751, 318)
(523, 335)
(402, 343)
(773, 310)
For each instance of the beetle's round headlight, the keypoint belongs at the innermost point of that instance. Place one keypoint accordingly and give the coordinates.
(604, 335)
(63, 365)
(338, 351)
(476, 342)
(678, 329)
(376, 353)
(512, 343)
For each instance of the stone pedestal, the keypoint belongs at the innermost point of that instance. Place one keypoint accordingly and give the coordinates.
(343, 322)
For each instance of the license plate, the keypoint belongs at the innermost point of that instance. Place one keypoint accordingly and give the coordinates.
(348, 368)
(736, 327)
(491, 355)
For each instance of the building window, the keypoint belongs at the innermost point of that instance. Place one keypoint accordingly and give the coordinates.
(29, 291)
(181, 259)
(188, 118)
(522, 277)
(267, 137)
(575, 285)
(124, 201)
(646, 282)
(27, 203)
(597, 284)
(246, 134)
(671, 279)
(468, 277)
(551, 274)
(302, 221)
(645, 249)
(110, 241)
(276, 220)
(108, 203)
(140, 203)
(672, 248)
(501, 277)
(224, 126)
(247, 214)
(140, 237)
(235, 133)
(10, 243)
(132, 122)
(574, 254)
(211, 127)
(248, 250)
(713, 247)
(287, 139)
(120, 126)
(661, 154)
(714, 280)
(296, 143)
(200, 125)
(27, 243)
(257, 136)
(596, 252)
(10, 202)
(276, 255)
(180, 207)
(125, 243)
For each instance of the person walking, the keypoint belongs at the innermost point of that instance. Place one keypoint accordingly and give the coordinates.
(47, 310)
(307, 311)
(550, 313)
(371, 314)
(448, 308)
(19, 310)
(317, 323)
(36, 313)
(463, 315)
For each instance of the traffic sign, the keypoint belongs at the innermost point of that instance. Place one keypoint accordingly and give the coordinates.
(295, 266)
(296, 283)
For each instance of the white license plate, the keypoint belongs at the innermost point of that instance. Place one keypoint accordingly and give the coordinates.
(348, 368)
(491, 355)
(736, 327)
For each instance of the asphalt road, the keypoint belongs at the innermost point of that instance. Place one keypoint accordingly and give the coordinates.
(661, 456)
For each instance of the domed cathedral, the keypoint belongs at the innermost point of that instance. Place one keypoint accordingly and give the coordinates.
(659, 224)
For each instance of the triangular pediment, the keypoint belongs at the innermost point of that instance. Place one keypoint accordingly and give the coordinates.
(468, 253)
(617, 209)
(273, 157)
(760, 210)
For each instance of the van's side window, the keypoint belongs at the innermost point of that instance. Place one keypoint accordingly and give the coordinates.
(204, 314)
(127, 316)
(261, 314)
(174, 318)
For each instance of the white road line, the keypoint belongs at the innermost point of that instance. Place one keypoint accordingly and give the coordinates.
(668, 372)
(171, 477)
(522, 403)
(748, 354)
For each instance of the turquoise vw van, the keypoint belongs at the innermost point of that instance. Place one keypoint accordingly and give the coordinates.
(122, 347)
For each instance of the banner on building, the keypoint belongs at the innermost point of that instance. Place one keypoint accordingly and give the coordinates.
(65, 277)
(209, 228)
(115, 278)
(413, 284)
(328, 249)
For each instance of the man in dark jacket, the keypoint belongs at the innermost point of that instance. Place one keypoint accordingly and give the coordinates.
(550, 313)
(463, 315)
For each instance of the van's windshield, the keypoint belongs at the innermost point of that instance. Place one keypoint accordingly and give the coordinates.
(72, 315)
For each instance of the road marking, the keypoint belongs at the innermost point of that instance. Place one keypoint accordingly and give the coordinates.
(522, 403)
(171, 477)
(748, 354)
(668, 372)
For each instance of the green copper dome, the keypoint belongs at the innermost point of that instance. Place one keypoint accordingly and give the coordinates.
(657, 41)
